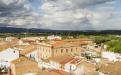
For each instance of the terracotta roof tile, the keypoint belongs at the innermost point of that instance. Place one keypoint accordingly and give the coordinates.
(76, 61)
(60, 72)
(112, 68)
(63, 43)
(62, 59)
(66, 60)
(28, 49)
(20, 60)
(58, 43)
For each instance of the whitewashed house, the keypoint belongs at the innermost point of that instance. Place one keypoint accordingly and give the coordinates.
(8, 55)
(53, 37)
(10, 38)
(32, 54)
(100, 73)
(80, 67)
(55, 64)
(20, 42)
(60, 61)
(29, 51)
(72, 65)
(30, 74)
(42, 38)
(85, 68)
(111, 56)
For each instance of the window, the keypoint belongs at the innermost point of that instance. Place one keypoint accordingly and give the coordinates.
(14, 52)
(56, 50)
(43, 49)
(66, 50)
(76, 49)
(61, 50)
(71, 49)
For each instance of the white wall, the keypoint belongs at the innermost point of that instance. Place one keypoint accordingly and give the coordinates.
(52, 37)
(111, 56)
(69, 67)
(80, 70)
(55, 65)
(33, 54)
(8, 55)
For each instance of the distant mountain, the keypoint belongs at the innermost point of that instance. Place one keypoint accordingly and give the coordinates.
(34, 30)
(21, 30)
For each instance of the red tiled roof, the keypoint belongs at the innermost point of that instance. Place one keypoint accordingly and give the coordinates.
(76, 61)
(62, 59)
(58, 43)
(60, 72)
(21, 59)
(66, 60)
(62, 42)
(28, 49)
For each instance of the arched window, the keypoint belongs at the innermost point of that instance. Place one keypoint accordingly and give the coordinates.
(56, 50)
(61, 50)
(76, 49)
(71, 49)
(14, 51)
(66, 50)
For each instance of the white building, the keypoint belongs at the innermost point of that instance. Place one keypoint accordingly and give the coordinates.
(42, 38)
(29, 51)
(80, 67)
(111, 56)
(55, 64)
(20, 42)
(72, 65)
(9, 39)
(32, 54)
(53, 37)
(100, 73)
(59, 62)
(85, 68)
(8, 55)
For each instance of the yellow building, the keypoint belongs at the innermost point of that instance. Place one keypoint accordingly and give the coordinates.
(24, 65)
(58, 48)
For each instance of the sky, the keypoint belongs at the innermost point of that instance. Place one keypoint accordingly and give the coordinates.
(61, 14)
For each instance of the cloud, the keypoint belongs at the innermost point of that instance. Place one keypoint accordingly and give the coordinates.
(11, 4)
(61, 14)
(77, 14)
(14, 11)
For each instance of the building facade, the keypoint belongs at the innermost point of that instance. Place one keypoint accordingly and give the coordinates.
(59, 48)
(23, 65)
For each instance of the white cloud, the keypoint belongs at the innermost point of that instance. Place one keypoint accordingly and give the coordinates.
(61, 14)
(77, 13)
